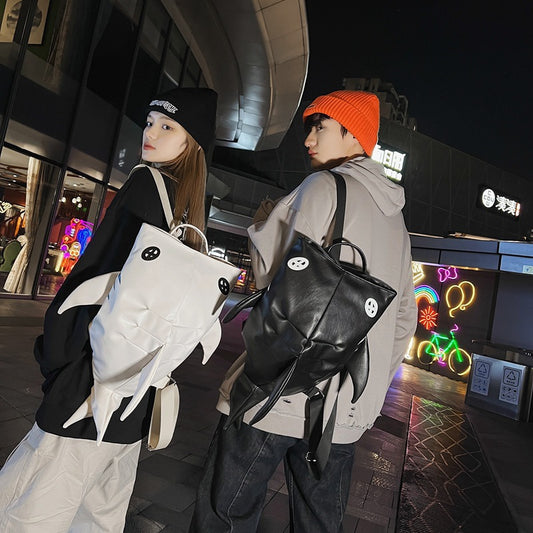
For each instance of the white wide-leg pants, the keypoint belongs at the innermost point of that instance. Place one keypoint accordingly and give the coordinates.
(53, 484)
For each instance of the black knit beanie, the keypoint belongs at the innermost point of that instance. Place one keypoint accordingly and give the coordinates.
(194, 109)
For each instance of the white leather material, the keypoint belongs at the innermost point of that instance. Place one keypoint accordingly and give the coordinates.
(93, 291)
(166, 300)
(164, 416)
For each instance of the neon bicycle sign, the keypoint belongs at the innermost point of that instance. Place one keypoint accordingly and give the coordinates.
(445, 350)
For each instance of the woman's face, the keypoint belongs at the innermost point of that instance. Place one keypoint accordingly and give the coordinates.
(164, 139)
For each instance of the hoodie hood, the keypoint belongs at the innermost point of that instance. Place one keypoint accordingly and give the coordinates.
(389, 196)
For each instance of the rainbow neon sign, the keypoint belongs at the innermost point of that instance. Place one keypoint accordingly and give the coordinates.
(425, 292)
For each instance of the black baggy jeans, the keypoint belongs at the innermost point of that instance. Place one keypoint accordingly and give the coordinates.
(240, 463)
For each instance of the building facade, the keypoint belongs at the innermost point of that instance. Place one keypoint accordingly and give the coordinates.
(75, 78)
(443, 186)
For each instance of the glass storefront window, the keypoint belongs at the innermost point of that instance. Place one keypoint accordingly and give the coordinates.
(167, 84)
(108, 198)
(9, 49)
(71, 230)
(192, 73)
(245, 282)
(143, 87)
(40, 127)
(174, 59)
(53, 66)
(90, 152)
(128, 152)
(106, 86)
(147, 67)
(63, 42)
(155, 29)
(8, 58)
(112, 58)
(130, 8)
(27, 187)
(12, 196)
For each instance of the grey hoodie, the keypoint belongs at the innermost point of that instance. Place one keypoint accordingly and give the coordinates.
(375, 223)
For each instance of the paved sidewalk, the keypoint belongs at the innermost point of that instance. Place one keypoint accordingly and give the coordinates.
(164, 493)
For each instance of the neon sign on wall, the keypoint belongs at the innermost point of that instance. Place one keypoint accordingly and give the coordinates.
(447, 273)
(463, 293)
(444, 349)
(441, 347)
(428, 317)
(418, 272)
(425, 292)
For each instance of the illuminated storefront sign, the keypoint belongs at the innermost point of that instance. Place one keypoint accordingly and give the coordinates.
(498, 202)
(392, 160)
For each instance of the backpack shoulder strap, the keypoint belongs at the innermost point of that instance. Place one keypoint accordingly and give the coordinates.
(162, 190)
(339, 212)
(319, 438)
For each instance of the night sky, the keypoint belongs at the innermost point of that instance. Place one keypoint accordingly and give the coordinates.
(467, 73)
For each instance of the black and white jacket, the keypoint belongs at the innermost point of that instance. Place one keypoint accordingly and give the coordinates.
(64, 351)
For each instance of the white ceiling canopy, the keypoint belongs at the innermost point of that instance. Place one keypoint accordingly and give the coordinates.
(254, 53)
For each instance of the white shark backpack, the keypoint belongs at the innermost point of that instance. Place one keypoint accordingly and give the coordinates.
(154, 312)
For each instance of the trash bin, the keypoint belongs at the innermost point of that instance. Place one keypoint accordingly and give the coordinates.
(501, 385)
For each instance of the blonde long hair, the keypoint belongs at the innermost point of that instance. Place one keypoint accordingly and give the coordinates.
(188, 173)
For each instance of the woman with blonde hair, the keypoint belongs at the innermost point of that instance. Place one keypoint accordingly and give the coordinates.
(58, 479)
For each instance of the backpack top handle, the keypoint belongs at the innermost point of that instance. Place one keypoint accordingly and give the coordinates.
(344, 242)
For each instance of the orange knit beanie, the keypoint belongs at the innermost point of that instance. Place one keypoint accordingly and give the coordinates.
(357, 111)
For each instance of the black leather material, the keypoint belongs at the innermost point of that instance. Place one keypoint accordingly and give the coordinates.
(244, 395)
(312, 319)
(358, 367)
(249, 301)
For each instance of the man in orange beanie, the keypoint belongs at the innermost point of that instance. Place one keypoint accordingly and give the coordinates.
(342, 130)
